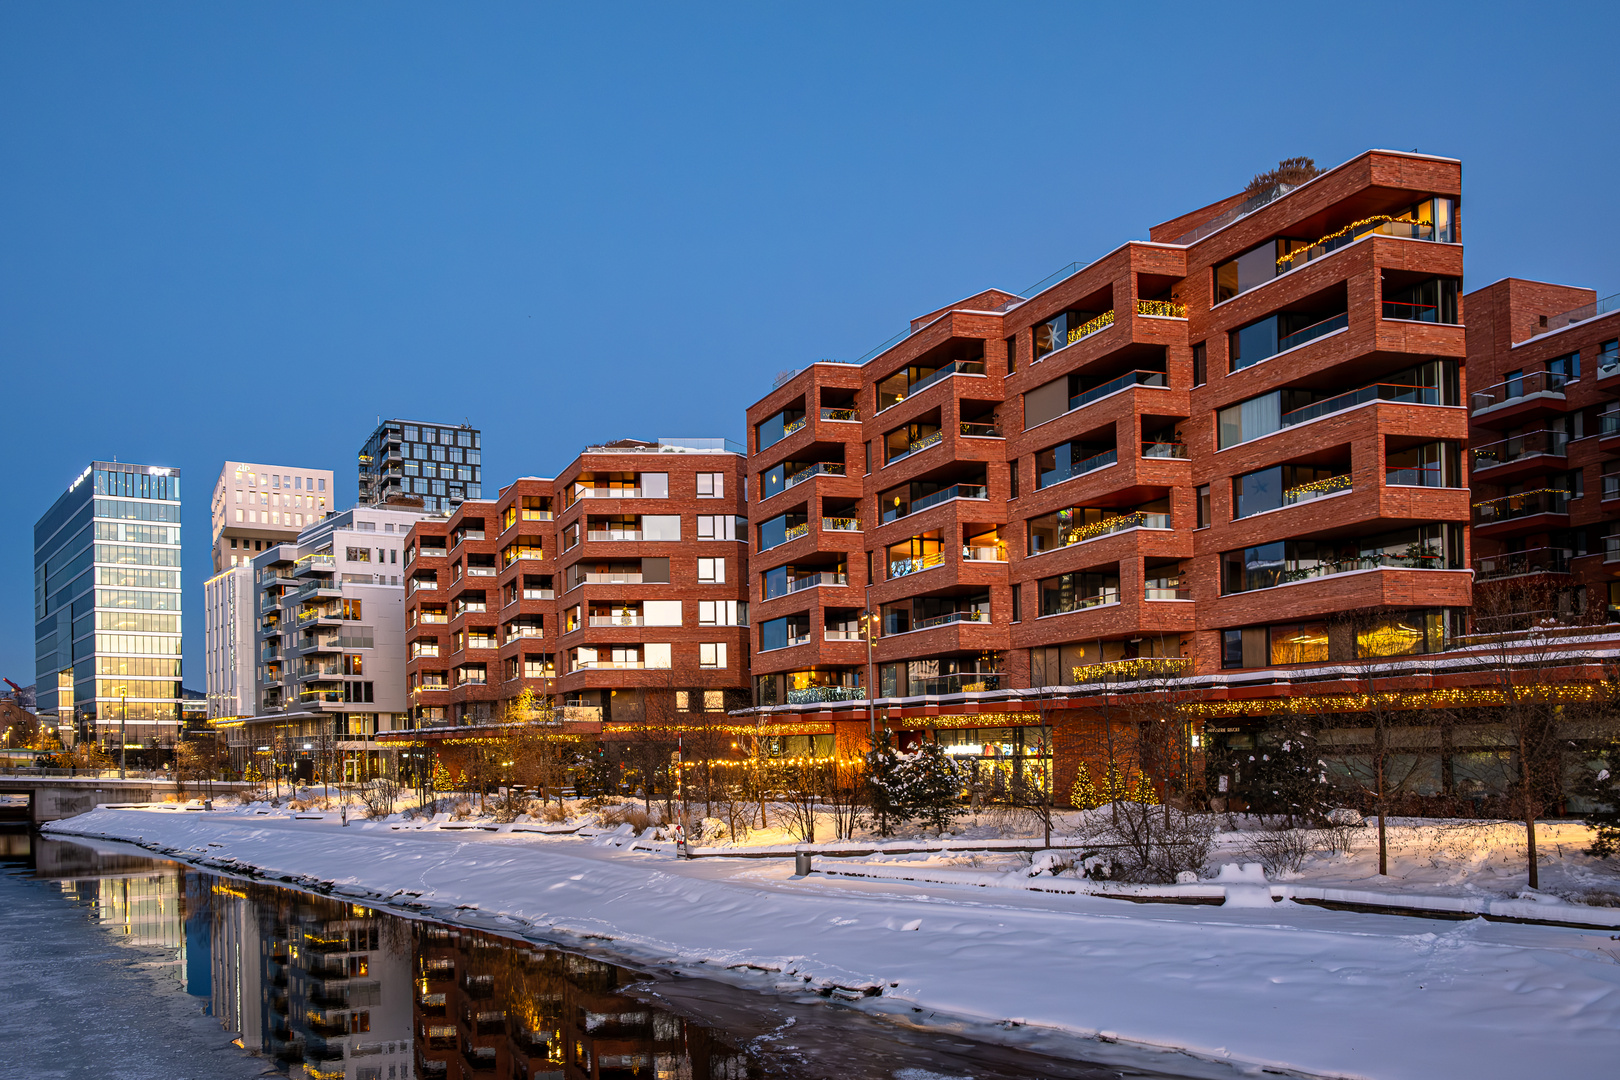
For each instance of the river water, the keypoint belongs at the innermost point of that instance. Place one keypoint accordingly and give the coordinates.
(122, 966)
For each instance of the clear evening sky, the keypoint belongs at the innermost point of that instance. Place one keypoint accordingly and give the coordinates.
(246, 231)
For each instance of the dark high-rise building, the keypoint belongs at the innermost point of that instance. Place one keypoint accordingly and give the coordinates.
(405, 461)
(107, 639)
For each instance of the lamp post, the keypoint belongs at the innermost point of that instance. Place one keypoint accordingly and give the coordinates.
(871, 687)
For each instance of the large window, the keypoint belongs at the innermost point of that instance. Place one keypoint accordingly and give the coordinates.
(775, 429)
(1254, 267)
(1079, 523)
(1070, 459)
(1280, 332)
(1265, 566)
(1432, 301)
(1078, 591)
(1283, 485)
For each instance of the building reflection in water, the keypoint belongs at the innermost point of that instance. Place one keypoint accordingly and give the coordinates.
(488, 1007)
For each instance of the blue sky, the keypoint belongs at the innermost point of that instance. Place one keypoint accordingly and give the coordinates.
(247, 231)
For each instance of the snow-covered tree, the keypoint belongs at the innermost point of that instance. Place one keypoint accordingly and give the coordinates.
(1603, 788)
(930, 786)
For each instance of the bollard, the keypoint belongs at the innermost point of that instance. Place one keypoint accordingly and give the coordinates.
(208, 804)
(801, 863)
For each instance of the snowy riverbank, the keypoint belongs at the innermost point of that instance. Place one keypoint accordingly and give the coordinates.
(1279, 985)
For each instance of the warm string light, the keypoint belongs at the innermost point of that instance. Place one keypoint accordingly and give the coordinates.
(1394, 699)
(1376, 219)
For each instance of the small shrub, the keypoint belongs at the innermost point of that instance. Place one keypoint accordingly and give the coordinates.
(1284, 850)
(625, 814)
(553, 814)
(462, 811)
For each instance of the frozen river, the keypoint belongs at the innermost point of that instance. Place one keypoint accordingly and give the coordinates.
(120, 966)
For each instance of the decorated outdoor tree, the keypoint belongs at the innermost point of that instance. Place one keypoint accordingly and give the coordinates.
(442, 780)
(1142, 790)
(1083, 793)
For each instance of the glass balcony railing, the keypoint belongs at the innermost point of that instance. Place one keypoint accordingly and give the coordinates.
(1166, 592)
(1071, 604)
(1161, 309)
(980, 431)
(915, 565)
(840, 524)
(823, 468)
(1316, 489)
(1141, 667)
(1409, 395)
(812, 581)
(1388, 226)
(1529, 445)
(606, 493)
(1534, 384)
(1432, 476)
(843, 415)
(1160, 449)
(617, 620)
(1609, 422)
(951, 617)
(1314, 331)
(917, 446)
(1080, 468)
(1546, 560)
(1524, 504)
(1139, 519)
(311, 564)
(843, 635)
(943, 495)
(1086, 329)
(613, 579)
(1114, 386)
(796, 531)
(614, 534)
(959, 367)
(790, 428)
(993, 553)
(964, 682)
(810, 695)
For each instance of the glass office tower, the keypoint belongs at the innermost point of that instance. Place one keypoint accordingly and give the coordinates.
(441, 464)
(107, 594)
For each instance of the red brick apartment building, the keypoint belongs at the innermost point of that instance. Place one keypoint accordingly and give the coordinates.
(1544, 411)
(618, 590)
(1185, 457)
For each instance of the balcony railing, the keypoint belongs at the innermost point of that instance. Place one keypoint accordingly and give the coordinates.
(610, 493)
(843, 635)
(1609, 422)
(1114, 386)
(536, 515)
(539, 594)
(609, 665)
(944, 495)
(840, 524)
(1161, 309)
(951, 617)
(1166, 592)
(1090, 464)
(311, 564)
(1432, 476)
(618, 620)
(810, 695)
(1314, 331)
(1086, 329)
(822, 468)
(1082, 603)
(614, 534)
(1581, 314)
(980, 431)
(958, 367)
(801, 529)
(1524, 504)
(1141, 667)
(816, 580)
(995, 553)
(1332, 485)
(1406, 395)
(915, 565)
(965, 682)
(515, 632)
(1532, 384)
(790, 428)
(1159, 449)
(1530, 444)
(1381, 223)
(844, 415)
(1139, 519)
(1545, 560)
(613, 579)
(919, 445)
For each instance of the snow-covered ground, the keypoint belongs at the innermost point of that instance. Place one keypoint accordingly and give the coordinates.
(1279, 985)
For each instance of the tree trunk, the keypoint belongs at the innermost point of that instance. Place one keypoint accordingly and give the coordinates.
(1383, 836)
(1529, 815)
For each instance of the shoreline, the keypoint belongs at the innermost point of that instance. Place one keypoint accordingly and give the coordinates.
(1261, 990)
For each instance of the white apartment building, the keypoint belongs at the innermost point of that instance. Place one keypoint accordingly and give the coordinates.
(228, 654)
(329, 647)
(255, 505)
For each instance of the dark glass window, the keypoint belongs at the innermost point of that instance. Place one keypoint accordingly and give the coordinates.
(1200, 364)
(1433, 301)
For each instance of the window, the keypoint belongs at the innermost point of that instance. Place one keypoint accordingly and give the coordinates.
(711, 571)
(1281, 485)
(712, 655)
(351, 610)
(1423, 547)
(1431, 301)
(722, 613)
(1608, 356)
(322, 483)
(661, 527)
(715, 700)
(1078, 591)
(1568, 365)
(1254, 267)
(1012, 479)
(1065, 329)
(711, 485)
(1244, 648)
(654, 485)
(1203, 506)
(353, 664)
(1018, 603)
(1248, 420)
(1200, 364)
(656, 655)
(661, 612)
(717, 527)
(1012, 355)
(1248, 345)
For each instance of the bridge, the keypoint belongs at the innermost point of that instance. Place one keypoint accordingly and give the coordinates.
(53, 797)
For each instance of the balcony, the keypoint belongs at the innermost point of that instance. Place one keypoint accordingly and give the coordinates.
(1083, 603)
(915, 565)
(618, 620)
(1382, 224)
(1523, 505)
(1532, 447)
(1546, 560)
(815, 581)
(312, 564)
(513, 633)
(949, 618)
(423, 585)
(980, 431)
(918, 446)
(614, 535)
(1114, 386)
(823, 468)
(613, 579)
(1133, 670)
(847, 416)
(956, 367)
(944, 495)
(1166, 592)
(611, 493)
(1537, 385)
(811, 695)
(1080, 468)
(840, 524)
(609, 665)
(1407, 395)
(1161, 309)
(995, 554)
(842, 635)
(1157, 448)
(964, 682)
(796, 531)
(1316, 489)
(793, 426)
(1310, 333)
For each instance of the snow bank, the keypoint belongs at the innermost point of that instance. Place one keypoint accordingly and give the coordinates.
(1286, 986)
